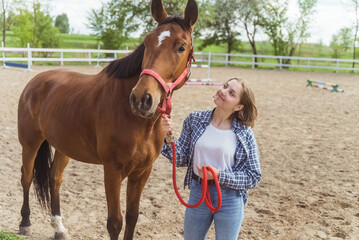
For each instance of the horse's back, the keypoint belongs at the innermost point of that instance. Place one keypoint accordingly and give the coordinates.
(50, 81)
(58, 105)
(55, 86)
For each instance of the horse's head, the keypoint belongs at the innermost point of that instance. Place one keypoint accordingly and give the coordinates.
(168, 51)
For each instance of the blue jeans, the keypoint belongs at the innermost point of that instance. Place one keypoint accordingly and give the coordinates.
(227, 221)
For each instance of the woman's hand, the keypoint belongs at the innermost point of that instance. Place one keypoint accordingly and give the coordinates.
(209, 173)
(167, 124)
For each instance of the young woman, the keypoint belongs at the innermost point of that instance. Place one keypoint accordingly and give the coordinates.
(221, 138)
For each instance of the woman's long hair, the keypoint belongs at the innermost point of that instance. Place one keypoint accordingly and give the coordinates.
(249, 113)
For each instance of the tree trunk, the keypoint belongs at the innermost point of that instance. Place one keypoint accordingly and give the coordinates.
(3, 23)
(254, 50)
(354, 52)
(252, 41)
(229, 40)
(356, 33)
(229, 49)
(35, 23)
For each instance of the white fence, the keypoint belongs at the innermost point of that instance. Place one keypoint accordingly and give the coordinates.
(28, 55)
(94, 56)
(278, 61)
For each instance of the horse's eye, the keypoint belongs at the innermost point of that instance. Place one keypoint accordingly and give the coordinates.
(181, 49)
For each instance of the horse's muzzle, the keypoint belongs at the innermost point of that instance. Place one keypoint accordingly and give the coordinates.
(142, 106)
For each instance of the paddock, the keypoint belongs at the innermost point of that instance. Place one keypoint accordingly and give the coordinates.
(309, 148)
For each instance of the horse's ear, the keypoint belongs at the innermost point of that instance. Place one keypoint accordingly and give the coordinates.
(158, 11)
(191, 13)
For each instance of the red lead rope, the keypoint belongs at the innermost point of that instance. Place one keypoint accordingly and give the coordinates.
(166, 110)
(205, 188)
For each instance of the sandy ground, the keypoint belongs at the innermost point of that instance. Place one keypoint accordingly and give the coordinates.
(309, 147)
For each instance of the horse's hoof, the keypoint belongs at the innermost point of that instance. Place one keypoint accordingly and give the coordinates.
(26, 230)
(62, 236)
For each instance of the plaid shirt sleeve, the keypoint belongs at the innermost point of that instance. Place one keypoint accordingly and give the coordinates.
(247, 173)
(182, 145)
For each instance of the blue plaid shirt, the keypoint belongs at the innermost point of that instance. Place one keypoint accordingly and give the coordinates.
(245, 173)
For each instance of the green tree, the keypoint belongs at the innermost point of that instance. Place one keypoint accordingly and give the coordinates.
(62, 23)
(7, 15)
(40, 9)
(273, 21)
(336, 46)
(115, 21)
(174, 6)
(205, 8)
(36, 26)
(4, 10)
(341, 41)
(10, 20)
(46, 35)
(307, 10)
(345, 38)
(354, 6)
(286, 35)
(224, 26)
(206, 11)
(23, 27)
(319, 47)
(249, 12)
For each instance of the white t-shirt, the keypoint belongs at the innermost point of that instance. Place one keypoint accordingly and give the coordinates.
(215, 147)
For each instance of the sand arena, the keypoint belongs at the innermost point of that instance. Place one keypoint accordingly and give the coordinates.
(309, 148)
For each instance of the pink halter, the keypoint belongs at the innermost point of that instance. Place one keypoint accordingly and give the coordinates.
(168, 87)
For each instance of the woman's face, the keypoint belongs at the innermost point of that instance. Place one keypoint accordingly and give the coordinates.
(228, 96)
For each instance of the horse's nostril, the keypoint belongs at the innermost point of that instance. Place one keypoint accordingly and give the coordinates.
(146, 101)
(132, 99)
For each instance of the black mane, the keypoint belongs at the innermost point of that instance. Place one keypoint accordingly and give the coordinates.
(127, 66)
(132, 64)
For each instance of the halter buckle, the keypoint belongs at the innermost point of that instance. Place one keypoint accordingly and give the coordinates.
(169, 138)
(189, 73)
(168, 94)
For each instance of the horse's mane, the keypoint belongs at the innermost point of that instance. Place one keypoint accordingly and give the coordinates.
(127, 66)
(132, 64)
(176, 19)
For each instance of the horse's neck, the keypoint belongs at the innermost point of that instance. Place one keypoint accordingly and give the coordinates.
(117, 92)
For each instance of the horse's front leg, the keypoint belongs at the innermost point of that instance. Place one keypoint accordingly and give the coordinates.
(136, 183)
(113, 180)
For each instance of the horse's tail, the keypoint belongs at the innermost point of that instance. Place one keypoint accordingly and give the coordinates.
(42, 174)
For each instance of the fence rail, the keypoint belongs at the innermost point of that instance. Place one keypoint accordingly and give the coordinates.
(96, 56)
(279, 61)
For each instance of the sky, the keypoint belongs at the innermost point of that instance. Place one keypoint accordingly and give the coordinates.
(330, 16)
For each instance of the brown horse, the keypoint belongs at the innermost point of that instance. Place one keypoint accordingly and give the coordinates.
(110, 119)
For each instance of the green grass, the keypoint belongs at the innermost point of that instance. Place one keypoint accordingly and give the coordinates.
(11, 40)
(78, 41)
(9, 236)
(71, 41)
(264, 48)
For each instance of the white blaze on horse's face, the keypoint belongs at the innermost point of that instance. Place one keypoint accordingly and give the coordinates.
(166, 54)
(162, 36)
